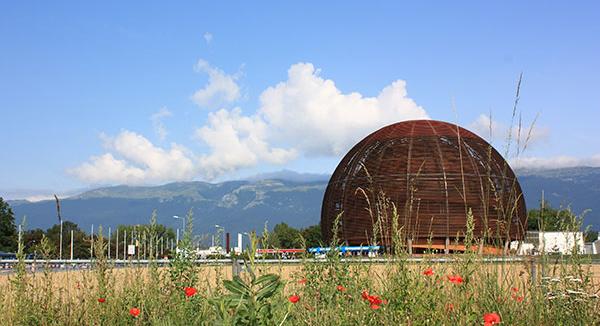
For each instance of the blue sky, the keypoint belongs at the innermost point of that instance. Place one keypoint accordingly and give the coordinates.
(233, 86)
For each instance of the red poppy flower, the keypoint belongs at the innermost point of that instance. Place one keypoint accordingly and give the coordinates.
(375, 300)
(428, 272)
(491, 319)
(456, 279)
(515, 289)
(365, 295)
(341, 288)
(302, 281)
(294, 298)
(134, 312)
(518, 298)
(101, 300)
(449, 307)
(189, 291)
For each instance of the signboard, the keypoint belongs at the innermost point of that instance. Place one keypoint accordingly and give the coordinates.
(131, 250)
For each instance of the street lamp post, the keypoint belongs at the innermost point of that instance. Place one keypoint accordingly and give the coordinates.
(182, 226)
(71, 245)
(249, 238)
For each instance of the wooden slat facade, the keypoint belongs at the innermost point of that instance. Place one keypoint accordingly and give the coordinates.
(433, 172)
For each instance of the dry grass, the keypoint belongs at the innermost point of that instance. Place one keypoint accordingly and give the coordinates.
(72, 281)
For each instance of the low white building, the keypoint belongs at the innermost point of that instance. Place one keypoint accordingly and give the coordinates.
(596, 247)
(522, 248)
(593, 248)
(210, 252)
(557, 242)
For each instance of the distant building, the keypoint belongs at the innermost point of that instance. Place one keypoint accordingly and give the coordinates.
(596, 247)
(593, 248)
(555, 242)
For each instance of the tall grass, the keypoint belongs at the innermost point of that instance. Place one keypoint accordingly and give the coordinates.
(329, 292)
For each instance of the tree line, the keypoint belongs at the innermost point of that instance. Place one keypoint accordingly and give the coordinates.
(282, 236)
(118, 238)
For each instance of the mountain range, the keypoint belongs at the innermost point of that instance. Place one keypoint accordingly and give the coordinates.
(284, 196)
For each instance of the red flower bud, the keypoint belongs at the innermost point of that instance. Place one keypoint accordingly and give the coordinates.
(456, 279)
(189, 291)
(490, 319)
(134, 312)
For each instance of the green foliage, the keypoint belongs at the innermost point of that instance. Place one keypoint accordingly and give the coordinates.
(333, 291)
(147, 235)
(81, 241)
(183, 269)
(8, 229)
(591, 235)
(101, 266)
(47, 295)
(32, 240)
(313, 236)
(249, 300)
(549, 219)
(160, 230)
(21, 284)
(286, 237)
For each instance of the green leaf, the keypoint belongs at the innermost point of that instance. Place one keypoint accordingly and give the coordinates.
(268, 290)
(266, 278)
(237, 286)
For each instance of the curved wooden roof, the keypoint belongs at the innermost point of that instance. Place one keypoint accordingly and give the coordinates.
(433, 172)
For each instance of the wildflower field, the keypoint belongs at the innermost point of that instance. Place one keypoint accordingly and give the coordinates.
(333, 291)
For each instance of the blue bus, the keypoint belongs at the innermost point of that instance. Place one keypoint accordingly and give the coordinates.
(348, 250)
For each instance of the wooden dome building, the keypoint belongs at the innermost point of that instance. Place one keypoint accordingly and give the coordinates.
(432, 173)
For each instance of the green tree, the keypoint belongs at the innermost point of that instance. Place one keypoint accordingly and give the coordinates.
(591, 235)
(81, 241)
(135, 231)
(141, 234)
(8, 229)
(313, 236)
(285, 237)
(32, 240)
(550, 219)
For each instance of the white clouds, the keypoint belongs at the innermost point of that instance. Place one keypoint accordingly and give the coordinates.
(141, 162)
(500, 132)
(237, 141)
(106, 169)
(303, 115)
(310, 114)
(208, 37)
(485, 127)
(157, 124)
(555, 162)
(221, 88)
